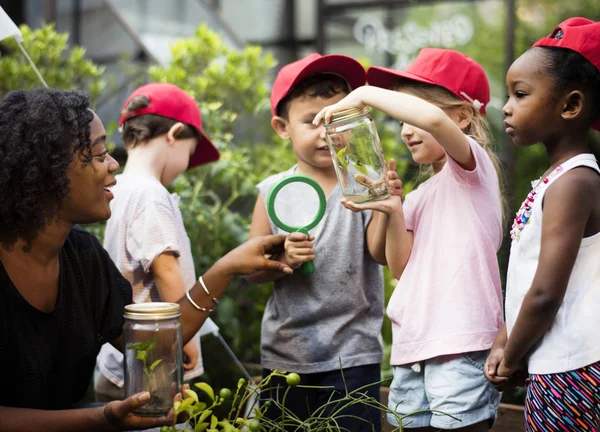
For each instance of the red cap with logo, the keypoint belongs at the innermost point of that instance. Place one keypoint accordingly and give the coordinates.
(168, 100)
(292, 74)
(450, 69)
(580, 35)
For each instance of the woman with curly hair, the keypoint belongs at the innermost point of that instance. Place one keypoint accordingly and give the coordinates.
(62, 296)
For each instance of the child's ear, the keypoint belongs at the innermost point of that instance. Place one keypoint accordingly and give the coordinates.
(573, 105)
(175, 130)
(281, 127)
(464, 115)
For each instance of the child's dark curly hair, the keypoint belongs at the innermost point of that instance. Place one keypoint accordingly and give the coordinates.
(323, 85)
(41, 131)
(573, 71)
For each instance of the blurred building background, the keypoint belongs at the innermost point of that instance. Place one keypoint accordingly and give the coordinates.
(382, 32)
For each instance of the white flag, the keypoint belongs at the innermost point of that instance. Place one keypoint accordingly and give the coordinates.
(8, 28)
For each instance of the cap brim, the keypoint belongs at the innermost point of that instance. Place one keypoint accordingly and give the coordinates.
(387, 78)
(346, 67)
(206, 152)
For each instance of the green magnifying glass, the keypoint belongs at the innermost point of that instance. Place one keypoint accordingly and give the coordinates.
(297, 204)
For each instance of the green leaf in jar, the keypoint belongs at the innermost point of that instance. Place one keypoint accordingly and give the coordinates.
(341, 156)
(361, 168)
(155, 365)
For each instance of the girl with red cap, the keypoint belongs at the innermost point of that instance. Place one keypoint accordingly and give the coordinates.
(441, 242)
(553, 281)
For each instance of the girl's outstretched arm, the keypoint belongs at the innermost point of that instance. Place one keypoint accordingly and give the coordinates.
(567, 209)
(416, 112)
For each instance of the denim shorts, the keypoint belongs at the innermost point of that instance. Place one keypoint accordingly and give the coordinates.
(453, 384)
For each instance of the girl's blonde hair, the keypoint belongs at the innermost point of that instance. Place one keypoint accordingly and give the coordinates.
(478, 129)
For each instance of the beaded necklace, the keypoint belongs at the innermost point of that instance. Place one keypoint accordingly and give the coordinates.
(524, 214)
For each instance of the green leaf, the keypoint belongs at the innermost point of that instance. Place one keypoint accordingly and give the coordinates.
(141, 355)
(341, 156)
(155, 365)
(204, 416)
(201, 427)
(144, 346)
(206, 389)
(185, 404)
(213, 422)
(361, 168)
(191, 393)
(227, 427)
(137, 346)
(199, 407)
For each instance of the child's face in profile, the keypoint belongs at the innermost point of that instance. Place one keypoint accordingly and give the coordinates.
(532, 113)
(423, 147)
(308, 141)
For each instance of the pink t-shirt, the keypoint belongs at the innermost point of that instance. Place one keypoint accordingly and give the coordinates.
(449, 298)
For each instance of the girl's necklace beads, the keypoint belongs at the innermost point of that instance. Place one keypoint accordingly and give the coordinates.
(524, 214)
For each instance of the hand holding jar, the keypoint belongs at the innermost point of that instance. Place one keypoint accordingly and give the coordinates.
(356, 150)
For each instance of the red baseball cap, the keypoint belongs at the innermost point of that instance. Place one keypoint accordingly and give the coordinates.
(292, 74)
(580, 35)
(168, 100)
(450, 69)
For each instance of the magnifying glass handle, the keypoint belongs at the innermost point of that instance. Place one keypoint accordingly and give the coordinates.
(307, 267)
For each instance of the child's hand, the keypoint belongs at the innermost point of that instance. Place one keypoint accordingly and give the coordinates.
(298, 249)
(352, 100)
(395, 184)
(514, 375)
(506, 371)
(490, 369)
(190, 359)
(389, 205)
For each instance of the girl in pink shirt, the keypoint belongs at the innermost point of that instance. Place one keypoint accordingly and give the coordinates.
(441, 242)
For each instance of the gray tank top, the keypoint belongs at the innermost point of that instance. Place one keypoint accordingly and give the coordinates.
(312, 321)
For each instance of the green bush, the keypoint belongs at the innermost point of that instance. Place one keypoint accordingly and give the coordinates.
(61, 66)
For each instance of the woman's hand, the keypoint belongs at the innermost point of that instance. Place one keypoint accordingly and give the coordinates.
(191, 355)
(352, 100)
(119, 414)
(253, 256)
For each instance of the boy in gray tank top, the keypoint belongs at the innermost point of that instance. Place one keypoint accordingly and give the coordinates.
(311, 322)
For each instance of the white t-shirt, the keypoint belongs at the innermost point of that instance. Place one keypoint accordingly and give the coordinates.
(145, 222)
(573, 341)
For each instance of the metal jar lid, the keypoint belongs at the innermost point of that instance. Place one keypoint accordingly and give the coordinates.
(348, 114)
(152, 311)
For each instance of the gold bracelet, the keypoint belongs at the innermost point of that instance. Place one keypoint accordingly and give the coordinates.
(200, 308)
(215, 301)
